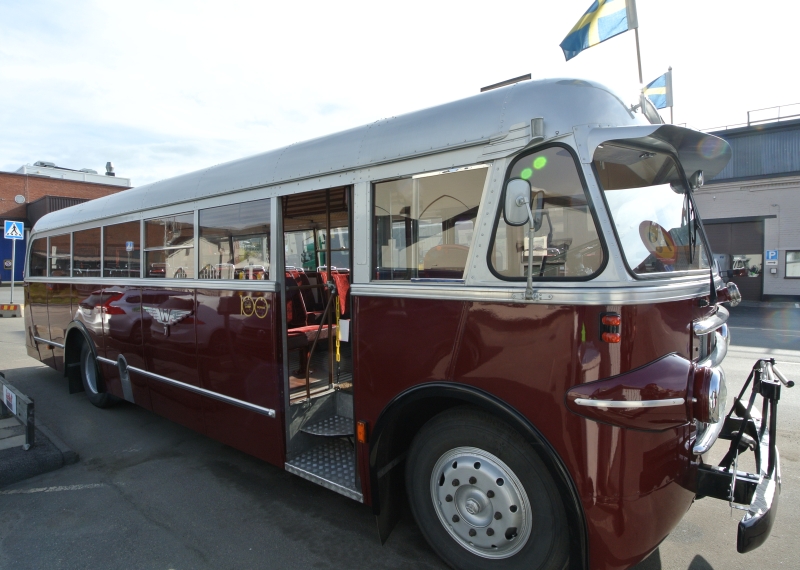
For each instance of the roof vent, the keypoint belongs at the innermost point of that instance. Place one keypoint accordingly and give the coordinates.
(44, 163)
(110, 169)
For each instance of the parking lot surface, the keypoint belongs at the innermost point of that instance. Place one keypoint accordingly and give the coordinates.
(148, 493)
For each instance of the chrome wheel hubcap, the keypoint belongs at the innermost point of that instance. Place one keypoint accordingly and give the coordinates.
(481, 502)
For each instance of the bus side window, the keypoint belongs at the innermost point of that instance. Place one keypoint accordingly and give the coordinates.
(234, 241)
(424, 225)
(566, 244)
(37, 265)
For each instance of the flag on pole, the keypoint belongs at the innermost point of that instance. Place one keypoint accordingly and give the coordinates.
(659, 91)
(603, 20)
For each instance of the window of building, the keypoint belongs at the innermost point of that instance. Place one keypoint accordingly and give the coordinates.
(86, 253)
(122, 252)
(234, 241)
(423, 226)
(566, 243)
(169, 247)
(37, 265)
(793, 264)
(59, 256)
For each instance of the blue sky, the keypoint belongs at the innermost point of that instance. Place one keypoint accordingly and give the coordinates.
(167, 87)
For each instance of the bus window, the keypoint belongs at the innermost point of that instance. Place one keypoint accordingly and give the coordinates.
(423, 226)
(86, 253)
(653, 214)
(169, 247)
(340, 248)
(59, 256)
(37, 266)
(122, 255)
(299, 250)
(566, 243)
(234, 241)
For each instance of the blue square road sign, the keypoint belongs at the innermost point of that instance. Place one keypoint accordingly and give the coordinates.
(14, 230)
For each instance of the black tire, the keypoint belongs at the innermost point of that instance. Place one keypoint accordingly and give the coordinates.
(497, 470)
(92, 380)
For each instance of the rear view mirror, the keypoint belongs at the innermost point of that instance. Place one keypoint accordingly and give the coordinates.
(517, 207)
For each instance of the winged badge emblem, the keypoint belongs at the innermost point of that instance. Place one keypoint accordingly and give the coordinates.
(167, 317)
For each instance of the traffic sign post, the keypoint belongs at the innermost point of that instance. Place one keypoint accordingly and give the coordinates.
(13, 231)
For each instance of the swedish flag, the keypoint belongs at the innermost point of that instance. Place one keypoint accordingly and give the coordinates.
(603, 20)
(660, 91)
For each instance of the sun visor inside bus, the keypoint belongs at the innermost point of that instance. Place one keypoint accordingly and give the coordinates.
(696, 150)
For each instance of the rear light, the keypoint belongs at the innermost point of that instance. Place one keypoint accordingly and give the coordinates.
(709, 394)
(109, 309)
(611, 337)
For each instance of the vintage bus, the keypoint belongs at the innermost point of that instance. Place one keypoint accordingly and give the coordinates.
(500, 309)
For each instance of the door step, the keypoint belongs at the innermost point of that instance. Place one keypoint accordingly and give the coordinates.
(331, 464)
(334, 426)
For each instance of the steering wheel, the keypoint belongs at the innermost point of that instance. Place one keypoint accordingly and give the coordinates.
(658, 241)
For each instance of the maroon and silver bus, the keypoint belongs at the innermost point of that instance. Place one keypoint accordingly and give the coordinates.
(500, 310)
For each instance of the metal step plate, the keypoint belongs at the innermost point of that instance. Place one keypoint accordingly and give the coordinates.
(334, 426)
(331, 464)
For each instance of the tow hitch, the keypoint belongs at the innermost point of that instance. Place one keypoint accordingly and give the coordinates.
(756, 493)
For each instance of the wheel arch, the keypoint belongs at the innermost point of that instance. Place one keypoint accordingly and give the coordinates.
(405, 415)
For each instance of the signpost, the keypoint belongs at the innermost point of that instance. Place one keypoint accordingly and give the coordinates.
(771, 257)
(13, 231)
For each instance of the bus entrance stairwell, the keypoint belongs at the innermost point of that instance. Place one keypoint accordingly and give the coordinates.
(320, 430)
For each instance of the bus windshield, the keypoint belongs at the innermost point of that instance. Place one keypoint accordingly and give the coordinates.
(653, 214)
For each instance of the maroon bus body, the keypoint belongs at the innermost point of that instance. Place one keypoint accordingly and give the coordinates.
(634, 485)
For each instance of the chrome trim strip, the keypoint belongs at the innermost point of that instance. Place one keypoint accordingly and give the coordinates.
(50, 342)
(720, 349)
(202, 391)
(106, 360)
(568, 293)
(712, 323)
(631, 404)
(215, 284)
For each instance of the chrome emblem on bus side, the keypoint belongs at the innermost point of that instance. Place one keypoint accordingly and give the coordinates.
(167, 317)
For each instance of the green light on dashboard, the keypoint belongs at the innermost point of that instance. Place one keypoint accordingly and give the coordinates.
(526, 173)
(540, 162)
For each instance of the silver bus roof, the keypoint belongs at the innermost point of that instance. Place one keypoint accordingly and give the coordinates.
(696, 150)
(476, 121)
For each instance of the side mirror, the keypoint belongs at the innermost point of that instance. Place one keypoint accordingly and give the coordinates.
(517, 206)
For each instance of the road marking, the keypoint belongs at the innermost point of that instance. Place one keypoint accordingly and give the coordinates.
(760, 329)
(53, 489)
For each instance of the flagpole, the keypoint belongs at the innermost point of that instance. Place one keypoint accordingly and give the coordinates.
(638, 56)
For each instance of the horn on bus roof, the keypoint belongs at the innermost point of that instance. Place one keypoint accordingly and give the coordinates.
(696, 150)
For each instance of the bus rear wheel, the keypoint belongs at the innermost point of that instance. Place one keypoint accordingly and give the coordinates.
(92, 381)
(482, 497)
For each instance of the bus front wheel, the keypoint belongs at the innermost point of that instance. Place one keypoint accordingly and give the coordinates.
(482, 497)
(92, 383)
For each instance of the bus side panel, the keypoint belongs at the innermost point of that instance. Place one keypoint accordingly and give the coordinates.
(37, 323)
(529, 356)
(237, 356)
(633, 484)
(170, 350)
(59, 311)
(86, 299)
(123, 336)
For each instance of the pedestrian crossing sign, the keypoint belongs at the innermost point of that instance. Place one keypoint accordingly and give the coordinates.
(13, 230)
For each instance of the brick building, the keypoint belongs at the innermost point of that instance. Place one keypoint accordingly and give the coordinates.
(35, 190)
(751, 210)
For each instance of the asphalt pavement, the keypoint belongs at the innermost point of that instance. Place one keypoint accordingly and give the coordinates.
(148, 493)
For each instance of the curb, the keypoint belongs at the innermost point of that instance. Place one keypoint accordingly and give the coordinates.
(48, 453)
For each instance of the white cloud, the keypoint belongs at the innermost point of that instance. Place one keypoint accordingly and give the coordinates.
(161, 88)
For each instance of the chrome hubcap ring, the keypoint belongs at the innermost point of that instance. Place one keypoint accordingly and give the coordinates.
(481, 502)
(90, 372)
